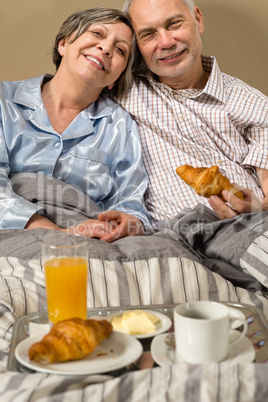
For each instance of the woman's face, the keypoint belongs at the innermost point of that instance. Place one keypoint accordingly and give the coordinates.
(99, 55)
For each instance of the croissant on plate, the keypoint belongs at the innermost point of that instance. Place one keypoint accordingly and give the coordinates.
(70, 340)
(207, 181)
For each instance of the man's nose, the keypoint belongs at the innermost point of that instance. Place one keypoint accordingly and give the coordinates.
(165, 39)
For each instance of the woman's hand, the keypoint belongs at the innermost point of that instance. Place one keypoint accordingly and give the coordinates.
(251, 203)
(92, 228)
(109, 226)
(127, 225)
(89, 228)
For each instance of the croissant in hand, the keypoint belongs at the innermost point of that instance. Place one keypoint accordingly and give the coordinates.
(207, 181)
(70, 340)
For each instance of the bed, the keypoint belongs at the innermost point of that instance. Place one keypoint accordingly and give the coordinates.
(192, 257)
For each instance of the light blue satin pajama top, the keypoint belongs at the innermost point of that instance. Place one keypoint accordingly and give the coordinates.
(99, 153)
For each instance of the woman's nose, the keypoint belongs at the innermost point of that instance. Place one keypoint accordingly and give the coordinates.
(106, 48)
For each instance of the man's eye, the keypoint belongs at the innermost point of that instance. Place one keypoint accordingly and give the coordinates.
(146, 35)
(175, 24)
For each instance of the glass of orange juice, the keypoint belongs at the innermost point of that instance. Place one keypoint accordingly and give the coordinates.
(65, 261)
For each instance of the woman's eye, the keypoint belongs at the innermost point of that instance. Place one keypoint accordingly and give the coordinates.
(97, 33)
(121, 51)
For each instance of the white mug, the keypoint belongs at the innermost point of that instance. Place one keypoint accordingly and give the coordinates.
(202, 331)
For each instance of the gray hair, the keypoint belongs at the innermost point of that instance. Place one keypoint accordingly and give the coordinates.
(139, 67)
(79, 22)
(188, 3)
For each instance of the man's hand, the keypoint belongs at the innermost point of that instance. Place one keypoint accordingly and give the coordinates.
(89, 228)
(110, 225)
(92, 228)
(236, 206)
(127, 225)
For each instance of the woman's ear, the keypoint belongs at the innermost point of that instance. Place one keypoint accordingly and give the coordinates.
(111, 85)
(61, 47)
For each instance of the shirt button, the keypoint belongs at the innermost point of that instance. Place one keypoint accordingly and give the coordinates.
(220, 162)
(57, 145)
(182, 116)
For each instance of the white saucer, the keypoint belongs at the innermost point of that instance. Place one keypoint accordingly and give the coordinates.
(164, 355)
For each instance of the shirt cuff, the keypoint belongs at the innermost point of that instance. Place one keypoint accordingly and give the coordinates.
(18, 215)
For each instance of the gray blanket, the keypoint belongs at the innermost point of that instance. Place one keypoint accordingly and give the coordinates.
(196, 234)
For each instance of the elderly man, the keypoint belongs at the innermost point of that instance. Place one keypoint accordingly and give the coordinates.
(189, 112)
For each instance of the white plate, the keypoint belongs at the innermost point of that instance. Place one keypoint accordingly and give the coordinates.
(113, 353)
(164, 355)
(161, 326)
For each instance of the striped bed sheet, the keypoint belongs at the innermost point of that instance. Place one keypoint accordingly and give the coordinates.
(211, 261)
(22, 292)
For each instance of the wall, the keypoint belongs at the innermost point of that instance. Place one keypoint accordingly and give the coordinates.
(28, 29)
(236, 33)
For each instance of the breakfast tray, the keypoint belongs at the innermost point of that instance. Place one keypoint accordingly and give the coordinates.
(257, 333)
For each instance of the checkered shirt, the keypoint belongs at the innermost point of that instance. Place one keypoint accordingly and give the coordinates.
(225, 124)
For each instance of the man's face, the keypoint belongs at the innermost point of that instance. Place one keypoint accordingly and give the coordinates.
(168, 36)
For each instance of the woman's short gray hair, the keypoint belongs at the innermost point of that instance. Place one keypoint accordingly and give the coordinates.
(188, 3)
(79, 22)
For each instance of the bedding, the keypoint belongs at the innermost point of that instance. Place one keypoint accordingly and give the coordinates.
(192, 257)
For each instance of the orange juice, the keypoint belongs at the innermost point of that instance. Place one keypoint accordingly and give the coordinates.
(66, 287)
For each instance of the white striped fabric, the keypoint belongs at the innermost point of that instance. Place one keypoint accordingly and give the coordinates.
(178, 383)
(255, 261)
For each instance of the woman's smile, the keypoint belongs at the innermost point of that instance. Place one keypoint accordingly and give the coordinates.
(96, 61)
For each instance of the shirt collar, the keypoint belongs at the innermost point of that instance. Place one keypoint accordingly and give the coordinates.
(213, 88)
(29, 94)
(100, 108)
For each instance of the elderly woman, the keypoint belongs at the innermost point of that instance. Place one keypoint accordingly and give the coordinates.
(64, 126)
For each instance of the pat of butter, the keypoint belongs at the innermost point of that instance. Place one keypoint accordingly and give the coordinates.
(150, 316)
(117, 323)
(138, 325)
(136, 322)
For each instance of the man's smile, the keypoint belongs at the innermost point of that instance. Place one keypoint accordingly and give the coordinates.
(173, 56)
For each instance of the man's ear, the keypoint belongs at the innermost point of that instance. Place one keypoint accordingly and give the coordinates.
(199, 19)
